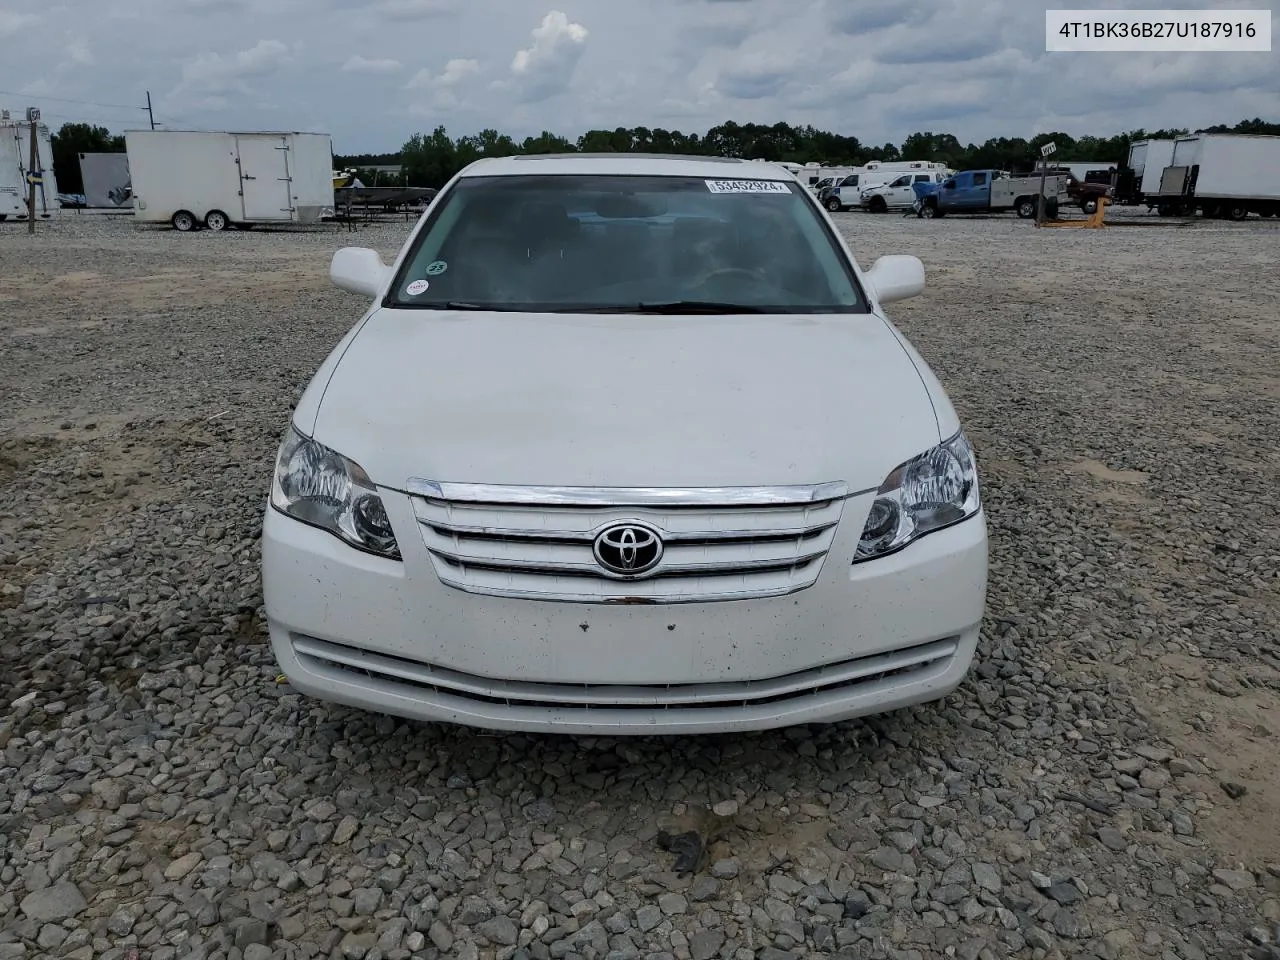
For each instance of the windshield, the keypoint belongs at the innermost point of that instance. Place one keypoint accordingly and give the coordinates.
(586, 243)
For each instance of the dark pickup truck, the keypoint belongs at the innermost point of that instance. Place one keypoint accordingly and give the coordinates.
(1083, 193)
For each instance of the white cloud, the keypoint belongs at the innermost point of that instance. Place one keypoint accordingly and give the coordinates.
(455, 71)
(78, 52)
(214, 74)
(546, 67)
(359, 64)
(11, 22)
(442, 89)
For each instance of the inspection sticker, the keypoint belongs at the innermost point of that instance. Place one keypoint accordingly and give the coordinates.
(747, 186)
(436, 267)
(417, 287)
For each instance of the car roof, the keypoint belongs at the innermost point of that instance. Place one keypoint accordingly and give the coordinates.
(626, 164)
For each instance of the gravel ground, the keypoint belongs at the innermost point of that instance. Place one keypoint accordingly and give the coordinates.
(1104, 785)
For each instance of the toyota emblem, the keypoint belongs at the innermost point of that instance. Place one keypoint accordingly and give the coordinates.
(628, 549)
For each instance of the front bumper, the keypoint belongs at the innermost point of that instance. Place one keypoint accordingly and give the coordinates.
(391, 638)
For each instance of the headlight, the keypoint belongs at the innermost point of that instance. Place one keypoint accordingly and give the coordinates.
(323, 488)
(927, 493)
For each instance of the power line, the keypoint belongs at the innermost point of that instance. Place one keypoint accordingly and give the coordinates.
(93, 121)
(85, 103)
(45, 114)
(115, 124)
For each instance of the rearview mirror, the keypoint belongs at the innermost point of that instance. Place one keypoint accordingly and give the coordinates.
(358, 270)
(896, 277)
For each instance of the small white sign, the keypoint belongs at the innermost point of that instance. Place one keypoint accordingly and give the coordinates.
(747, 186)
(1048, 148)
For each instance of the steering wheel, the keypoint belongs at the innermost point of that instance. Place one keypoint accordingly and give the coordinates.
(747, 273)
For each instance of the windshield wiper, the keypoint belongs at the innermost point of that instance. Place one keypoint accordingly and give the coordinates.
(671, 307)
(455, 305)
(468, 305)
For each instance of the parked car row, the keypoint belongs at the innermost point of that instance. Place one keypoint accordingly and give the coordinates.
(932, 189)
(1216, 175)
(880, 186)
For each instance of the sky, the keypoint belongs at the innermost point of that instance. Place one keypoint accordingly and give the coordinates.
(373, 72)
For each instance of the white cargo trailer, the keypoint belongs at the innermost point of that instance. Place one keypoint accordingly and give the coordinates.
(15, 158)
(13, 194)
(1228, 175)
(193, 178)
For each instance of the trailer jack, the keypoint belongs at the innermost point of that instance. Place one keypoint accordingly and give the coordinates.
(1094, 222)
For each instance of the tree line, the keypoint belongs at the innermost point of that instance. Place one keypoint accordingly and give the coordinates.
(431, 159)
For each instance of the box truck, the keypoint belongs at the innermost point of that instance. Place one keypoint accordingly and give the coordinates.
(15, 158)
(193, 179)
(1229, 175)
(1140, 179)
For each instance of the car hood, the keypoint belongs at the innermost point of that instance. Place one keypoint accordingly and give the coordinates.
(609, 400)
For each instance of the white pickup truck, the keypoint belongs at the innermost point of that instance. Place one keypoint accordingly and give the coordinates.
(898, 194)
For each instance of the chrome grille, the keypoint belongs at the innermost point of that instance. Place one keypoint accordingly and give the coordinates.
(721, 543)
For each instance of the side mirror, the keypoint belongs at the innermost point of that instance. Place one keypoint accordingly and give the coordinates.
(358, 270)
(896, 277)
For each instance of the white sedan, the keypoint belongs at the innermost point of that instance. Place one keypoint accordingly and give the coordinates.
(625, 445)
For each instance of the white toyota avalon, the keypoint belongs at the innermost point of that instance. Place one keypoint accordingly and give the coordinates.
(625, 445)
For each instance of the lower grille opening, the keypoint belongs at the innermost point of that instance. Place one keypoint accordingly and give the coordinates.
(363, 667)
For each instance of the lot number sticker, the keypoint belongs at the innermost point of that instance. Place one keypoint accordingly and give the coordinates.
(417, 287)
(747, 186)
(436, 267)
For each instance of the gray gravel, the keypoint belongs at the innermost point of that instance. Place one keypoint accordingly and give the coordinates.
(1103, 786)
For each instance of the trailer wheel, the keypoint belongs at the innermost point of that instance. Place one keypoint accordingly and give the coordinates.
(1026, 207)
(1167, 210)
(1089, 205)
(833, 204)
(216, 220)
(1237, 211)
(1267, 213)
(183, 221)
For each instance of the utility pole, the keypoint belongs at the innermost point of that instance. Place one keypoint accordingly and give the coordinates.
(151, 115)
(33, 116)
